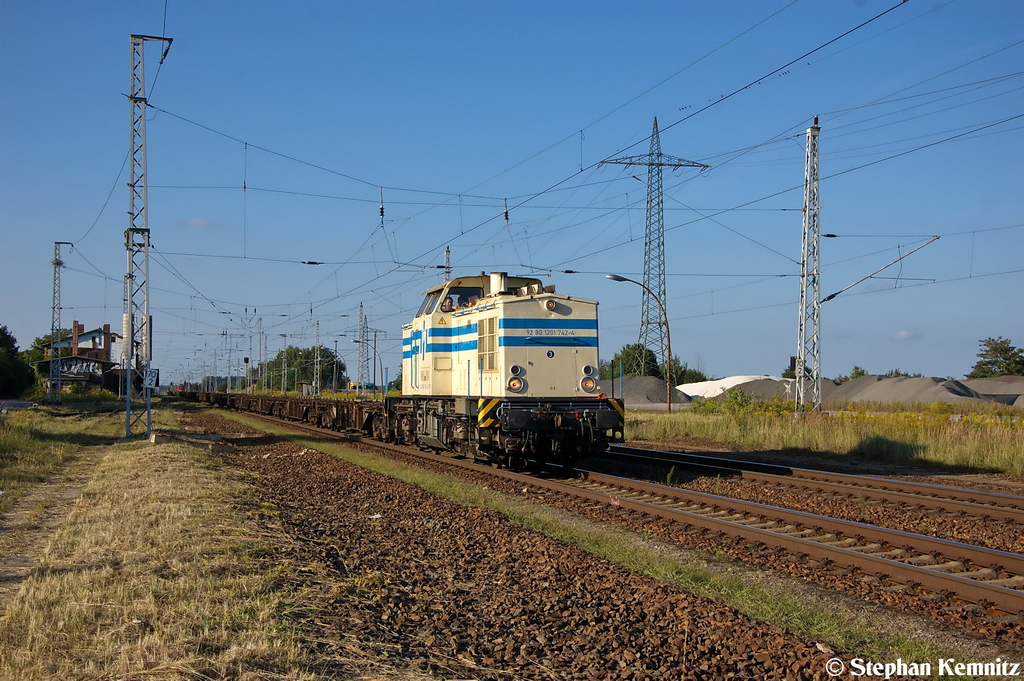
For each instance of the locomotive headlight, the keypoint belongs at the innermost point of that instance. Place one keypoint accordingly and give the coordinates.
(516, 370)
(589, 370)
(588, 384)
(550, 305)
(515, 384)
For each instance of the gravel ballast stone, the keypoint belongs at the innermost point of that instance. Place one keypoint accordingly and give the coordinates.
(454, 591)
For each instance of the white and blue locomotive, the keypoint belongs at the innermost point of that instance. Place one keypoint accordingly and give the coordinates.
(503, 369)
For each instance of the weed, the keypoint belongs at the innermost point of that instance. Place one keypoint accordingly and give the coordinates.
(984, 438)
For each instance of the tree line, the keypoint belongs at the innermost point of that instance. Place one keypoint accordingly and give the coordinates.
(21, 370)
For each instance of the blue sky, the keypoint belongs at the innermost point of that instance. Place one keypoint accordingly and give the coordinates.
(455, 108)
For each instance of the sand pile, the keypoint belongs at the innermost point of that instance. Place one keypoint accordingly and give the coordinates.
(901, 389)
(642, 392)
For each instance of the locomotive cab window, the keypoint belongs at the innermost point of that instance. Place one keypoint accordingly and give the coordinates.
(427, 306)
(464, 296)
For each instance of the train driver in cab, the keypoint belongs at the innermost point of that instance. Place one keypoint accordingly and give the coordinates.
(447, 305)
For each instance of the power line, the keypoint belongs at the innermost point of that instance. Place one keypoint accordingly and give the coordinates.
(107, 200)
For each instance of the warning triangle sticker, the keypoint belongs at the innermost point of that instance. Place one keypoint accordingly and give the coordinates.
(442, 321)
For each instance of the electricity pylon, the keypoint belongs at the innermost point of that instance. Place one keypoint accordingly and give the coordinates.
(653, 331)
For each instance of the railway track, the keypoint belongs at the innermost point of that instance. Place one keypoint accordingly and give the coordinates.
(973, 573)
(991, 579)
(971, 503)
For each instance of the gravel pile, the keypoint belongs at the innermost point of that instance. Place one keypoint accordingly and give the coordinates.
(644, 392)
(1002, 389)
(901, 389)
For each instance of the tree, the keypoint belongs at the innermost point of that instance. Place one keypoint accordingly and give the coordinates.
(856, 372)
(301, 365)
(36, 353)
(998, 358)
(900, 373)
(627, 356)
(396, 382)
(682, 373)
(15, 373)
(790, 371)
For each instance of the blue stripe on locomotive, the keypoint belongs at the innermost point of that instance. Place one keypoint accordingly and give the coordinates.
(412, 344)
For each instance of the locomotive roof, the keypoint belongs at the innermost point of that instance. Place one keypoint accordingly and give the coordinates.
(477, 279)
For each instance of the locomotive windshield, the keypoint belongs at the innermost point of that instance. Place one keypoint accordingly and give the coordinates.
(453, 299)
(427, 306)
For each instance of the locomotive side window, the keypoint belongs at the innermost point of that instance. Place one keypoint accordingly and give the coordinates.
(464, 296)
(427, 306)
(488, 343)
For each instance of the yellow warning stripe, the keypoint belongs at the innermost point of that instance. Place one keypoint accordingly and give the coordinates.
(485, 416)
(619, 407)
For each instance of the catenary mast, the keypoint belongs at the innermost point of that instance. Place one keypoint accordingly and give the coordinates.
(53, 395)
(808, 360)
(137, 332)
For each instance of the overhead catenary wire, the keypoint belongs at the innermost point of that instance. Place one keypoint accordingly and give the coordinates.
(463, 231)
(395, 259)
(880, 269)
(448, 242)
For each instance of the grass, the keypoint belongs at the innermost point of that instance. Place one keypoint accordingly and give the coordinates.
(986, 439)
(157, 574)
(845, 631)
(35, 442)
(153, 575)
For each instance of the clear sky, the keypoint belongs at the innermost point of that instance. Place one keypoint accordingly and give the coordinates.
(455, 108)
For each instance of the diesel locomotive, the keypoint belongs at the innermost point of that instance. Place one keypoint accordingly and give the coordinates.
(496, 368)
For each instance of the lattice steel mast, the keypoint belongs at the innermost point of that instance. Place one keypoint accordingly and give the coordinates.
(316, 363)
(653, 332)
(137, 341)
(808, 360)
(361, 353)
(53, 395)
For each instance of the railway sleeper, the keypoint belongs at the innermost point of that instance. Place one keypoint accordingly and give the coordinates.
(953, 566)
(894, 554)
(848, 543)
(1015, 582)
(770, 525)
(793, 531)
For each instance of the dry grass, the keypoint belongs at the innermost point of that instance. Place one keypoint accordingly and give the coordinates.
(983, 441)
(152, 576)
(35, 442)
